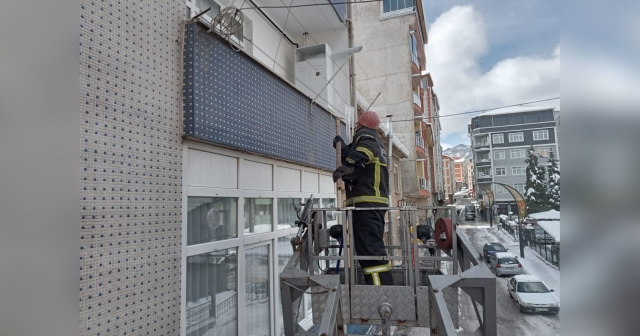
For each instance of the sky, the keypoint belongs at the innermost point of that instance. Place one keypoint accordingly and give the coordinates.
(485, 54)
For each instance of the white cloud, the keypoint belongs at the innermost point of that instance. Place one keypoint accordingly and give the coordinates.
(457, 40)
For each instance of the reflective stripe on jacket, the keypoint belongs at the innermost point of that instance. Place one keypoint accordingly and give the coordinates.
(367, 186)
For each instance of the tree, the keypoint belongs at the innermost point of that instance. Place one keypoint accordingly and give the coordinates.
(535, 193)
(553, 185)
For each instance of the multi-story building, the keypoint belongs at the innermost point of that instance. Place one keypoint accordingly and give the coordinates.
(435, 149)
(396, 31)
(469, 173)
(460, 165)
(194, 152)
(449, 176)
(500, 141)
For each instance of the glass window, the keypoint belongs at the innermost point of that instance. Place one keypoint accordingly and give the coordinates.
(498, 138)
(330, 203)
(541, 135)
(517, 153)
(285, 251)
(498, 155)
(508, 261)
(258, 215)
(394, 5)
(532, 287)
(516, 137)
(518, 170)
(257, 291)
(287, 215)
(396, 179)
(501, 171)
(211, 294)
(543, 151)
(211, 219)
(519, 187)
(500, 189)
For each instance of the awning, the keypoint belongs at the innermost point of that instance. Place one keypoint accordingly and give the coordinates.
(552, 228)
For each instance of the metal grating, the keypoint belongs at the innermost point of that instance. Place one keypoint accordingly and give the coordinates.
(318, 302)
(234, 101)
(366, 299)
(451, 298)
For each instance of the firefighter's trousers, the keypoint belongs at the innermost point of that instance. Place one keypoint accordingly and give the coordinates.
(368, 230)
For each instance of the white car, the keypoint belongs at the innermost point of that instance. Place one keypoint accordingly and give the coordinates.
(505, 263)
(532, 295)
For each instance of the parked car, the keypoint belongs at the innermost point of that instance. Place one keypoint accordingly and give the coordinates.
(490, 249)
(469, 212)
(505, 263)
(532, 295)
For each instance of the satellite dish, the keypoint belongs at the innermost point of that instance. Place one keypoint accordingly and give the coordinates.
(213, 219)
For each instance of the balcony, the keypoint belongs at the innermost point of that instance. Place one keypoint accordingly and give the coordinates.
(419, 141)
(481, 145)
(483, 162)
(417, 100)
(484, 177)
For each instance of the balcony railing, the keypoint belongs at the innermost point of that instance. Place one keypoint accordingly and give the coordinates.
(422, 182)
(419, 141)
(482, 143)
(417, 100)
(414, 59)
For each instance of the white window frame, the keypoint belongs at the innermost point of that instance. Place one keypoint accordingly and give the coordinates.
(513, 170)
(397, 12)
(520, 137)
(497, 136)
(495, 171)
(518, 150)
(524, 187)
(544, 133)
(548, 150)
(503, 156)
(242, 242)
(500, 189)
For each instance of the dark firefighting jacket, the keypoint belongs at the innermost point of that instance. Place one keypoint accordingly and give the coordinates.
(368, 185)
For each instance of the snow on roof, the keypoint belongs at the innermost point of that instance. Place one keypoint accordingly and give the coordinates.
(552, 228)
(460, 160)
(551, 215)
(516, 109)
(504, 255)
(363, 103)
(526, 278)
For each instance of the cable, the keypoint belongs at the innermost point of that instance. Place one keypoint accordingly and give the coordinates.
(305, 292)
(485, 110)
(318, 4)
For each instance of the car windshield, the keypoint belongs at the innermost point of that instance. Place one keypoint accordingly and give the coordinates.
(507, 261)
(495, 248)
(532, 287)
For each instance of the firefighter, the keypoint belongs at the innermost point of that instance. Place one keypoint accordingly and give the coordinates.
(365, 174)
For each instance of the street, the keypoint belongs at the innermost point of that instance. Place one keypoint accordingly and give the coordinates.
(510, 320)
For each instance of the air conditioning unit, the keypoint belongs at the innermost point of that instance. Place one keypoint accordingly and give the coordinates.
(314, 66)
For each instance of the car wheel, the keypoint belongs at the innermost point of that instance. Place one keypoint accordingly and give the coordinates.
(522, 310)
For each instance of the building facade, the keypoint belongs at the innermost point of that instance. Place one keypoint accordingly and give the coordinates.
(469, 173)
(449, 176)
(435, 149)
(193, 157)
(460, 172)
(396, 31)
(501, 140)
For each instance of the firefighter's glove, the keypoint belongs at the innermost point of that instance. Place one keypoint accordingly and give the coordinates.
(336, 140)
(342, 171)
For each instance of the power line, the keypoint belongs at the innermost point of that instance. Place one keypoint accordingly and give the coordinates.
(484, 110)
(313, 5)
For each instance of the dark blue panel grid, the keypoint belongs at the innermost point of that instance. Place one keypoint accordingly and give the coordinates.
(340, 8)
(231, 100)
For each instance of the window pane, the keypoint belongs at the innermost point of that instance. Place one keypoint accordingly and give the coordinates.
(330, 203)
(285, 251)
(287, 216)
(258, 215)
(386, 6)
(257, 291)
(211, 219)
(211, 294)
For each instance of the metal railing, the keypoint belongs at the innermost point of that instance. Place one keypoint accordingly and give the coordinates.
(417, 277)
(199, 314)
(416, 99)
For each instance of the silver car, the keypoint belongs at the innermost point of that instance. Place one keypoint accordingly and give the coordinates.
(532, 295)
(505, 263)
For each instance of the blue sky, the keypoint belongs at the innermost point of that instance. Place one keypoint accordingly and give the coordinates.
(485, 54)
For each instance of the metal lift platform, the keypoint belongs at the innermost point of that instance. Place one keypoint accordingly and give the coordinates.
(424, 294)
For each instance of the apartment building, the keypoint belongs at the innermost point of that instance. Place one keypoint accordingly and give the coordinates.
(434, 129)
(194, 151)
(469, 173)
(460, 165)
(500, 143)
(389, 70)
(449, 176)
